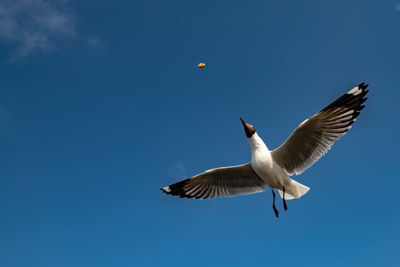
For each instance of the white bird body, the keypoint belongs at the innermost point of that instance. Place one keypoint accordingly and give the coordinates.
(267, 169)
(263, 164)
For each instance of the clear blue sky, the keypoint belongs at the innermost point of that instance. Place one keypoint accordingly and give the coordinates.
(101, 105)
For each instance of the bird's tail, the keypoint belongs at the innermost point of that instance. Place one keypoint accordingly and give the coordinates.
(294, 190)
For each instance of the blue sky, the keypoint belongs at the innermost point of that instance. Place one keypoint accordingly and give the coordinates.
(101, 105)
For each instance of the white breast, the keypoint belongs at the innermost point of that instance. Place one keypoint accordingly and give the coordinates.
(264, 165)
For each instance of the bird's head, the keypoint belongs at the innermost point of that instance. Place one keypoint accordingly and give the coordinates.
(248, 128)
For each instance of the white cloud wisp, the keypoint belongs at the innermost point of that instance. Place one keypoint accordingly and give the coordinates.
(32, 25)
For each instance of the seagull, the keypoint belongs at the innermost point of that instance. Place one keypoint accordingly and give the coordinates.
(308, 142)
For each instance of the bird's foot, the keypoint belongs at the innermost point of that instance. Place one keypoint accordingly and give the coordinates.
(276, 211)
(284, 205)
(283, 198)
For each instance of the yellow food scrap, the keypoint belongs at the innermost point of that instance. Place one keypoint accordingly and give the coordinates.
(201, 65)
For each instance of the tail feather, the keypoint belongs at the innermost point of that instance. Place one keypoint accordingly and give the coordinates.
(294, 190)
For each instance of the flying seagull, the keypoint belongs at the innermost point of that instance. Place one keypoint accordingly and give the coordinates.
(309, 141)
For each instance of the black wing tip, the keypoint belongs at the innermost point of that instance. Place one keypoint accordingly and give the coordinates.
(352, 100)
(363, 86)
(164, 191)
(176, 190)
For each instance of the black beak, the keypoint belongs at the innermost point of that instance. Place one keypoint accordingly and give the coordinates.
(244, 123)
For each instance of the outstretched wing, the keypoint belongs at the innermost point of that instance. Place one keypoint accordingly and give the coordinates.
(315, 136)
(219, 182)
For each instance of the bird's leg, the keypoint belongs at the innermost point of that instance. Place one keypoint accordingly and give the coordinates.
(273, 204)
(284, 201)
